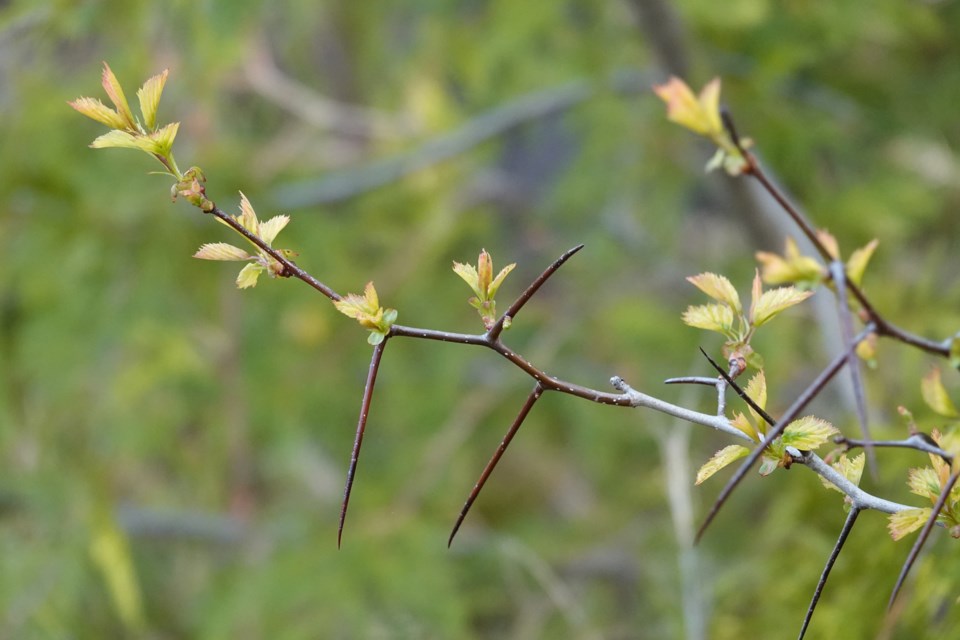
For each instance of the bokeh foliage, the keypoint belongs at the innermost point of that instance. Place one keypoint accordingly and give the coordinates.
(172, 450)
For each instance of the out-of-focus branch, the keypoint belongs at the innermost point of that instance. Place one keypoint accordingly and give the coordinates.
(342, 185)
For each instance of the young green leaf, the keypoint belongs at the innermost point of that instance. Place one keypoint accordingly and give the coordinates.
(221, 251)
(792, 267)
(904, 522)
(757, 391)
(808, 433)
(849, 468)
(774, 301)
(935, 395)
(115, 92)
(924, 482)
(149, 97)
(717, 287)
(721, 459)
(858, 260)
(712, 317)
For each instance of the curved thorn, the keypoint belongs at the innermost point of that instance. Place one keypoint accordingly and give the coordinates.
(524, 297)
(361, 427)
(924, 534)
(524, 410)
(847, 528)
(798, 405)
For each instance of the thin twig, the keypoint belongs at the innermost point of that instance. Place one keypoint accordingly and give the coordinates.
(707, 382)
(918, 441)
(882, 325)
(844, 532)
(495, 331)
(922, 538)
(290, 268)
(809, 394)
(524, 410)
(361, 427)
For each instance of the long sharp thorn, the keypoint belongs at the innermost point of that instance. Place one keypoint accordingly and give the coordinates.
(361, 427)
(922, 538)
(847, 528)
(531, 399)
(528, 293)
(798, 405)
(740, 392)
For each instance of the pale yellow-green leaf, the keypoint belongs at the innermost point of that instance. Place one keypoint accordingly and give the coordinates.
(858, 260)
(469, 274)
(924, 482)
(122, 140)
(248, 217)
(112, 86)
(721, 459)
(93, 108)
(221, 251)
(149, 97)
(808, 433)
(709, 99)
(908, 521)
(110, 551)
(163, 138)
(370, 294)
(495, 285)
(774, 301)
(273, 226)
(791, 267)
(829, 243)
(712, 317)
(249, 275)
(935, 394)
(756, 389)
(740, 422)
(717, 287)
(849, 468)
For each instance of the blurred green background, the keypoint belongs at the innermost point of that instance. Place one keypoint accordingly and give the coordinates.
(173, 450)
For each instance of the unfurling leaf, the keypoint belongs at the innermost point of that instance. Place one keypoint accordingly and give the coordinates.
(935, 395)
(112, 86)
(757, 391)
(808, 433)
(717, 287)
(924, 482)
(849, 468)
(96, 110)
(774, 301)
(221, 251)
(484, 285)
(367, 311)
(829, 243)
(858, 260)
(792, 267)
(712, 317)
(149, 97)
(740, 422)
(721, 459)
(700, 114)
(908, 521)
(249, 275)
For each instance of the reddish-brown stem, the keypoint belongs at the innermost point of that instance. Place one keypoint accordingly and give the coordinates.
(922, 538)
(798, 405)
(497, 328)
(361, 427)
(883, 327)
(524, 410)
(290, 269)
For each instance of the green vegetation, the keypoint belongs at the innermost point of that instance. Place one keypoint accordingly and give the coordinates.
(173, 450)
